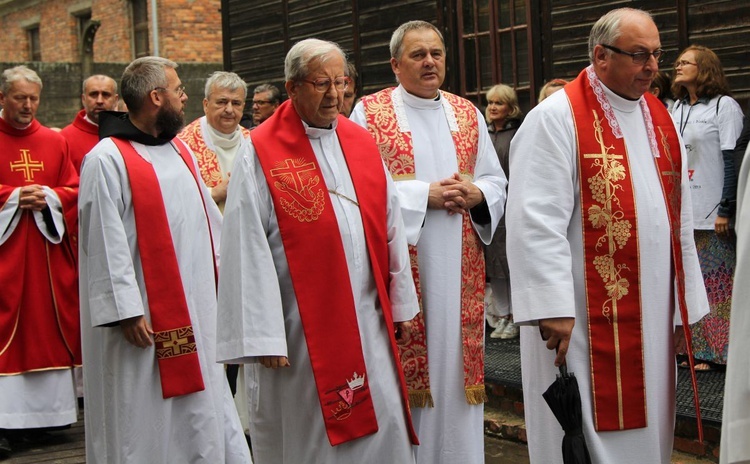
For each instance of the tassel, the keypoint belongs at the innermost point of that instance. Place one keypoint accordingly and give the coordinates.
(420, 399)
(476, 394)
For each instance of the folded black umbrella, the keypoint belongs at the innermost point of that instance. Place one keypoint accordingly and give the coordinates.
(564, 399)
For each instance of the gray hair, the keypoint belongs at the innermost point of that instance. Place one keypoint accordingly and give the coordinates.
(304, 52)
(225, 80)
(397, 39)
(12, 75)
(141, 77)
(607, 29)
(97, 76)
(275, 94)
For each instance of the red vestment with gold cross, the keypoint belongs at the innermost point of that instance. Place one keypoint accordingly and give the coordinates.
(39, 324)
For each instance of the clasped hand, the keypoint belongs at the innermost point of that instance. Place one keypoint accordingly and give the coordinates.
(455, 194)
(32, 197)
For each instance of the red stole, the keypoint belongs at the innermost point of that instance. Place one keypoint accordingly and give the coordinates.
(397, 151)
(176, 351)
(611, 254)
(39, 318)
(208, 163)
(319, 274)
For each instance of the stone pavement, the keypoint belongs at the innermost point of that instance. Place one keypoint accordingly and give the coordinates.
(504, 412)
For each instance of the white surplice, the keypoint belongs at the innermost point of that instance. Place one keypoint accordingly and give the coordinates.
(127, 419)
(546, 263)
(735, 422)
(259, 316)
(452, 431)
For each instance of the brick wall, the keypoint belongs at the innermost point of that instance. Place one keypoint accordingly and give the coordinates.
(14, 34)
(189, 30)
(113, 41)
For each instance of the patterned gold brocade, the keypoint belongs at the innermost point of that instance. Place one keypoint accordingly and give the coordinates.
(172, 343)
(208, 163)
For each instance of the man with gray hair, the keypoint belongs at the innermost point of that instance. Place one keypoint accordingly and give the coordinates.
(148, 264)
(217, 137)
(39, 330)
(602, 260)
(99, 94)
(452, 193)
(266, 99)
(312, 203)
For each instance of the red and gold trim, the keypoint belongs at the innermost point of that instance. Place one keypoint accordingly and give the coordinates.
(175, 342)
(396, 149)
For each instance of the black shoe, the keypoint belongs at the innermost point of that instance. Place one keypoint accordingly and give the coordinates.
(5, 448)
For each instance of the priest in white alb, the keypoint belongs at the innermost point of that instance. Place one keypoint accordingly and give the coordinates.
(148, 269)
(452, 193)
(315, 283)
(600, 245)
(735, 420)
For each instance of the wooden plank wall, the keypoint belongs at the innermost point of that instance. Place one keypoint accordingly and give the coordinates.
(722, 25)
(258, 34)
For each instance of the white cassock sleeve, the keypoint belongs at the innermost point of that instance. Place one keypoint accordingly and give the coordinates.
(9, 215)
(695, 288)
(541, 201)
(113, 290)
(250, 312)
(403, 295)
(491, 180)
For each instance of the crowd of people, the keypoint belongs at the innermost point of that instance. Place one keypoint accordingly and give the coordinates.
(311, 282)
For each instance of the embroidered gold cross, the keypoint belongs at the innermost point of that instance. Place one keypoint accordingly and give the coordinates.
(174, 343)
(293, 171)
(27, 165)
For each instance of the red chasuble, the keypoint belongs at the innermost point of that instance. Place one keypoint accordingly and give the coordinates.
(39, 325)
(176, 350)
(611, 254)
(81, 136)
(397, 151)
(319, 273)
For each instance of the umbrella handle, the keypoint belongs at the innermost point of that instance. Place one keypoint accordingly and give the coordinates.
(563, 367)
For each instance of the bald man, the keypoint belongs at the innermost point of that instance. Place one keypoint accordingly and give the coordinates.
(99, 94)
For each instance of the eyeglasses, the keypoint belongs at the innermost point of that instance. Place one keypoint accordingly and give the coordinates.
(684, 63)
(638, 57)
(323, 84)
(262, 102)
(180, 90)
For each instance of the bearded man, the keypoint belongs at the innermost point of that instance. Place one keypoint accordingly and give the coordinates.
(149, 231)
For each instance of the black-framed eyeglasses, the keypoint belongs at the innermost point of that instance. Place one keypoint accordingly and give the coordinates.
(262, 102)
(638, 57)
(180, 91)
(322, 84)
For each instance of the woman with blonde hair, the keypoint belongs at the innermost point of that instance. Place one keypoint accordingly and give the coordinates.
(551, 87)
(503, 116)
(709, 121)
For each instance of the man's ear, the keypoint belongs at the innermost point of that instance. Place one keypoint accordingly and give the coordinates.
(291, 89)
(394, 66)
(600, 54)
(156, 98)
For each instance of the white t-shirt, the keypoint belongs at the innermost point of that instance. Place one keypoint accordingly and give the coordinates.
(706, 131)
